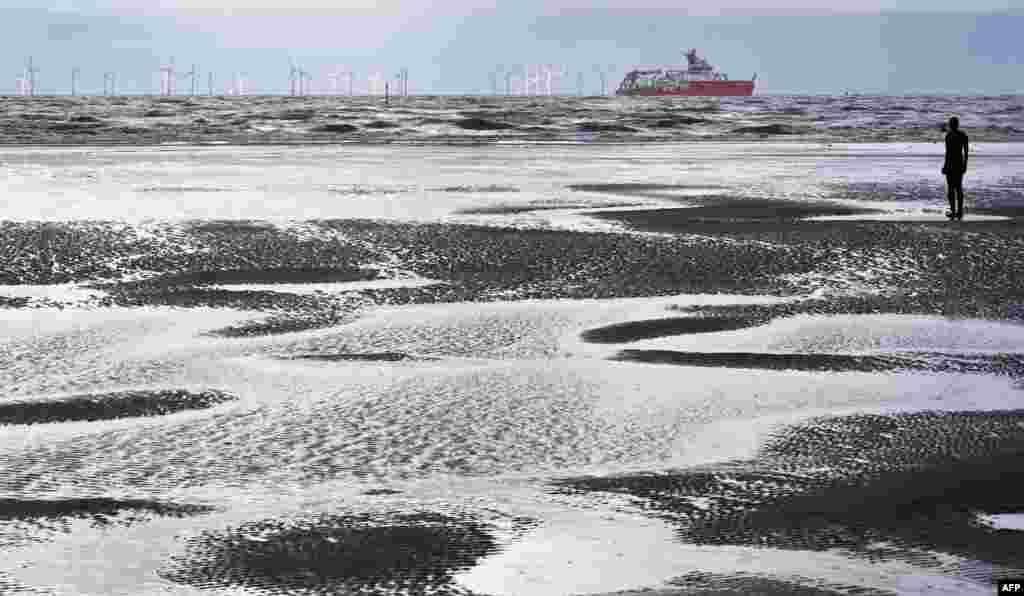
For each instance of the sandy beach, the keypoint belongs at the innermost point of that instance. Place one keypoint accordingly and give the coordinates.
(721, 367)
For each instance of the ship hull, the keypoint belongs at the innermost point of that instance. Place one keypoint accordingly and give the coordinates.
(697, 89)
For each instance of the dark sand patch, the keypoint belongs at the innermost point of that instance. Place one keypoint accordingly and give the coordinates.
(726, 209)
(74, 128)
(637, 330)
(336, 554)
(24, 522)
(745, 584)
(291, 322)
(109, 406)
(360, 357)
(877, 487)
(285, 313)
(227, 226)
(760, 361)
(956, 270)
(488, 263)
(381, 124)
(97, 508)
(999, 364)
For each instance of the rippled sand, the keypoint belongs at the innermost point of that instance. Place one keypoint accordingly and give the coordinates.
(501, 370)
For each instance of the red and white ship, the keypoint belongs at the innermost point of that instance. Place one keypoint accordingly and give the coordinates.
(698, 79)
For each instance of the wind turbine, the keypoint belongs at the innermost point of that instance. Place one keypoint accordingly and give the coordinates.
(549, 75)
(30, 76)
(191, 75)
(167, 78)
(531, 79)
(109, 83)
(403, 81)
(74, 80)
(296, 78)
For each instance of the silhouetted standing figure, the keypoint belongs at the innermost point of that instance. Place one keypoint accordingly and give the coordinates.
(954, 168)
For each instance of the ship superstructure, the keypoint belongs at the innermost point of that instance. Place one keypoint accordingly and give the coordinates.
(698, 78)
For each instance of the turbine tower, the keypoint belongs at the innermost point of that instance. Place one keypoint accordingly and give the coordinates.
(531, 79)
(551, 74)
(167, 79)
(30, 77)
(297, 81)
(74, 80)
(109, 83)
(403, 82)
(191, 75)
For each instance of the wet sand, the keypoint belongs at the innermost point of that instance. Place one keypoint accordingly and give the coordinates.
(776, 405)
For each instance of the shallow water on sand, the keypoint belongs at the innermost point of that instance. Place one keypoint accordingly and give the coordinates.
(488, 185)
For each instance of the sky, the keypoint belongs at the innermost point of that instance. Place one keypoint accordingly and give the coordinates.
(794, 46)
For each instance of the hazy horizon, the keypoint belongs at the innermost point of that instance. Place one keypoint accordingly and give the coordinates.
(884, 48)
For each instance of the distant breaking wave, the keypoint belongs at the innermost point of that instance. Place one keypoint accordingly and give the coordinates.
(475, 119)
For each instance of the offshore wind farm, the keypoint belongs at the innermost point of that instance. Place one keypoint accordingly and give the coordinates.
(333, 80)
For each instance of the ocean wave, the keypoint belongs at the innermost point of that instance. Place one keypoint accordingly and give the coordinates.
(445, 120)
